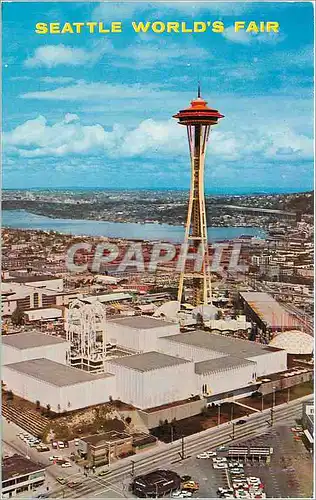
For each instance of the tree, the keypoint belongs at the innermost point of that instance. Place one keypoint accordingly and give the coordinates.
(219, 314)
(199, 319)
(128, 420)
(38, 405)
(48, 408)
(10, 395)
(17, 317)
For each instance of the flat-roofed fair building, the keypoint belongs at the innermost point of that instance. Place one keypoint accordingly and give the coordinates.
(202, 346)
(139, 333)
(152, 379)
(32, 345)
(63, 387)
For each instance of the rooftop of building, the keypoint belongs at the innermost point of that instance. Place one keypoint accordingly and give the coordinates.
(148, 361)
(220, 343)
(28, 340)
(106, 437)
(16, 465)
(21, 278)
(54, 373)
(268, 309)
(221, 364)
(141, 322)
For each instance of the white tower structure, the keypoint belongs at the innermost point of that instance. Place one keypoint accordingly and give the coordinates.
(86, 331)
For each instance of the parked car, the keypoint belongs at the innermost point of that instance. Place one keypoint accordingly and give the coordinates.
(211, 453)
(190, 485)
(185, 478)
(181, 494)
(225, 490)
(222, 448)
(76, 441)
(239, 422)
(66, 464)
(219, 459)
(253, 480)
(42, 448)
(66, 444)
(220, 465)
(73, 484)
(61, 444)
(202, 455)
(61, 480)
(54, 445)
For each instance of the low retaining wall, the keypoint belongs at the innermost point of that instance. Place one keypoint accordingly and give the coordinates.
(186, 410)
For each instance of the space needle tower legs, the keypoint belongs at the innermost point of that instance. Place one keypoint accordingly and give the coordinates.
(198, 120)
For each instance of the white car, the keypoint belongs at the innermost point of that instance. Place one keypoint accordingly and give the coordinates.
(220, 459)
(219, 465)
(181, 494)
(202, 455)
(66, 464)
(254, 480)
(211, 453)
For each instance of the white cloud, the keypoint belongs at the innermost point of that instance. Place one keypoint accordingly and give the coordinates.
(50, 56)
(123, 10)
(153, 139)
(246, 38)
(84, 91)
(20, 78)
(57, 79)
(145, 54)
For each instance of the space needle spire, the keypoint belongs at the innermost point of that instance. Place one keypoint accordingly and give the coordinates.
(197, 119)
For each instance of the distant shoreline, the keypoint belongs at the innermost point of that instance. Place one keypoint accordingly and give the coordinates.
(23, 220)
(161, 190)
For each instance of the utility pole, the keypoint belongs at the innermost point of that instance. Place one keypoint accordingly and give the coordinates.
(171, 430)
(288, 394)
(273, 405)
(219, 414)
(182, 453)
(262, 402)
(232, 436)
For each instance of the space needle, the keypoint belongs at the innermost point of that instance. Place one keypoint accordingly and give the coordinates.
(198, 119)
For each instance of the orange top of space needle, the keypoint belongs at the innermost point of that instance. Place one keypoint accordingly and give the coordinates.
(198, 113)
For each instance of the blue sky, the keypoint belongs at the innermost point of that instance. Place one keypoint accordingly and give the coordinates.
(96, 110)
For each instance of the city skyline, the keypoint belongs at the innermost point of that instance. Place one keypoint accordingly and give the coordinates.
(86, 111)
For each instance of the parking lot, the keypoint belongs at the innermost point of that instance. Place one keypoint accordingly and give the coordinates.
(288, 475)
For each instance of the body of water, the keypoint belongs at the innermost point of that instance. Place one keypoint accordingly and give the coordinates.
(21, 219)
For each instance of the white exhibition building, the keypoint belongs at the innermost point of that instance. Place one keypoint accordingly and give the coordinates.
(162, 366)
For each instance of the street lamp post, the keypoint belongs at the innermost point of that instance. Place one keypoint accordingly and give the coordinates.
(219, 414)
(273, 402)
(288, 394)
(262, 405)
(273, 405)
